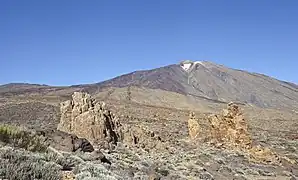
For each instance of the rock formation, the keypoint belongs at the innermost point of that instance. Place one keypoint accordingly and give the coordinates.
(193, 126)
(87, 118)
(230, 128)
(260, 154)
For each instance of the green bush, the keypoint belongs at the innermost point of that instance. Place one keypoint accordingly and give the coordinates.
(20, 138)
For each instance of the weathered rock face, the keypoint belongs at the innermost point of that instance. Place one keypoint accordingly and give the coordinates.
(230, 128)
(87, 118)
(193, 126)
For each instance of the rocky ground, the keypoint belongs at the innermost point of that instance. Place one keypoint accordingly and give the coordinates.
(135, 140)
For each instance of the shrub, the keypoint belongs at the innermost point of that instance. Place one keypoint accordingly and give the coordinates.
(88, 171)
(22, 165)
(21, 138)
(67, 160)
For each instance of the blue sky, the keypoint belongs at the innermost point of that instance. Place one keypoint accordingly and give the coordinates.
(63, 42)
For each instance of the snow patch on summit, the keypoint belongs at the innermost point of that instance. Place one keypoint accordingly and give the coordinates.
(187, 64)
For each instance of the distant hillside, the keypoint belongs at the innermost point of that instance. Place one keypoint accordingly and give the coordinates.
(213, 81)
(204, 79)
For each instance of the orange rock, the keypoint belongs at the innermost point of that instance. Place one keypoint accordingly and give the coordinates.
(193, 126)
(68, 175)
(259, 154)
(230, 130)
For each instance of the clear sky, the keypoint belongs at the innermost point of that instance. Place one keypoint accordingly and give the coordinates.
(59, 42)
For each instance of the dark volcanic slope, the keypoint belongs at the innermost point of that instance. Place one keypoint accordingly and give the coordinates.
(169, 78)
(214, 82)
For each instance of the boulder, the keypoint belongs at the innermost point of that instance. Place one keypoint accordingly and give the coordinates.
(66, 142)
(95, 156)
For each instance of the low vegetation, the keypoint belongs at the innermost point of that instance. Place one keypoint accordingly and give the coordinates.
(22, 139)
(18, 164)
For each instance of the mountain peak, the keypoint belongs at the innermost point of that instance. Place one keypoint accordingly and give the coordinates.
(212, 81)
(187, 61)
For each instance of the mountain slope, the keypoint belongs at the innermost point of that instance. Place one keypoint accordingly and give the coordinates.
(213, 81)
(204, 80)
(170, 78)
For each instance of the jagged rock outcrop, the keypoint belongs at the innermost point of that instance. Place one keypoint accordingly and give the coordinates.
(87, 118)
(193, 126)
(230, 129)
